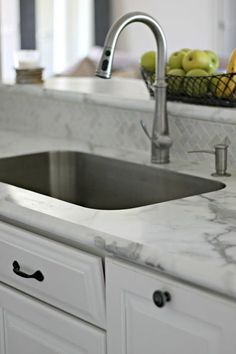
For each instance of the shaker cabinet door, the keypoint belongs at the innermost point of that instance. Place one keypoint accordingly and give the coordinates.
(190, 321)
(31, 327)
(73, 280)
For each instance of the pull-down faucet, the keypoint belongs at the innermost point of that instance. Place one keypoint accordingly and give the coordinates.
(160, 139)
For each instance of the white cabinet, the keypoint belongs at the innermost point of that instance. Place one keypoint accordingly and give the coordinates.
(47, 314)
(73, 280)
(28, 326)
(193, 321)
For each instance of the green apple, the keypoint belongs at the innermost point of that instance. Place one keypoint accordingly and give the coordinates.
(175, 80)
(196, 59)
(176, 59)
(176, 72)
(148, 61)
(186, 50)
(214, 61)
(197, 72)
(167, 68)
(196, 83)
(214, 84)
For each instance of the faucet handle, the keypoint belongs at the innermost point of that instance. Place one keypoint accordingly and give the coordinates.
(145, 129)
(221, 157)
(160, 140)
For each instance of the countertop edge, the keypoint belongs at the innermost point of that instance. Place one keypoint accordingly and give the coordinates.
(175, 109)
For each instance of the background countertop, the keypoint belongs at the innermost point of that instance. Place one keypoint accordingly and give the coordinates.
(123, 93)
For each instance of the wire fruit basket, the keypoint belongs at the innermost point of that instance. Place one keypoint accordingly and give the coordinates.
(214, 90)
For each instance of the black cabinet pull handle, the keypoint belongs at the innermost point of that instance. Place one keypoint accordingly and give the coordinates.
(38, 275)
(160, 298)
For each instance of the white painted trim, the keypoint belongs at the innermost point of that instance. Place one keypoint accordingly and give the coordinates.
(0, 41)
(10, 37)
(44, 34)
(59, 30)
(86, 26)
(219, 14)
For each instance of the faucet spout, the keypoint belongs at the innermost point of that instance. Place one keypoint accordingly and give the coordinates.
(160, 139)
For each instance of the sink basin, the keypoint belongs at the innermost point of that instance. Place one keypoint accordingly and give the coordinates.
(98, 182)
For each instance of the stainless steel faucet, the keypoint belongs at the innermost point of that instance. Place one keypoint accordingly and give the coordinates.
(160, 139)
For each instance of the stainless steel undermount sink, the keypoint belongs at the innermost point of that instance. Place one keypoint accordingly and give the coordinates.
(99, 182)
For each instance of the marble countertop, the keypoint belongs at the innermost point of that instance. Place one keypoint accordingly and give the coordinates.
(131, 95)
(193, 239)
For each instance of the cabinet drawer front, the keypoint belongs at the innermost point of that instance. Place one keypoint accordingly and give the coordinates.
(72, 280)
(30, 326)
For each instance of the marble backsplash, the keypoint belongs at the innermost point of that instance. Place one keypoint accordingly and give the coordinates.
(56, 116)
(192, 134)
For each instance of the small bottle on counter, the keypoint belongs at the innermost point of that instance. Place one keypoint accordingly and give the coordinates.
(27, 66)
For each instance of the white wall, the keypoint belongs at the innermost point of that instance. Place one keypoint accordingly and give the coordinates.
(44, 33)
(73, 31)
(228, 25)
(0, 44)
(10, 39)
(186, 23)
(84, 28)
(64, 32)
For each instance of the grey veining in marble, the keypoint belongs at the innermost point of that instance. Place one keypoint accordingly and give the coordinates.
(192, 239)
(115, 120)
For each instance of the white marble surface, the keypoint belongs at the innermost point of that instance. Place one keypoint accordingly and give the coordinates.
(192, 239)
(134, 95)
(122, 93)
(109, 120)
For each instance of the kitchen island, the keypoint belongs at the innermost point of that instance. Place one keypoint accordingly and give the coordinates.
(191, 240)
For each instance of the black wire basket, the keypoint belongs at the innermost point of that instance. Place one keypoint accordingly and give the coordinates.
(214, 90)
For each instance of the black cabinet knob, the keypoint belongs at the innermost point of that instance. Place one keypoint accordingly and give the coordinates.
(160, 298)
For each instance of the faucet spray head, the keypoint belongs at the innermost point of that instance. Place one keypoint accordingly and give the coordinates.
(105, 64)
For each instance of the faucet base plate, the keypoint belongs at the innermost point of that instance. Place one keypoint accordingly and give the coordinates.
(226, 174)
